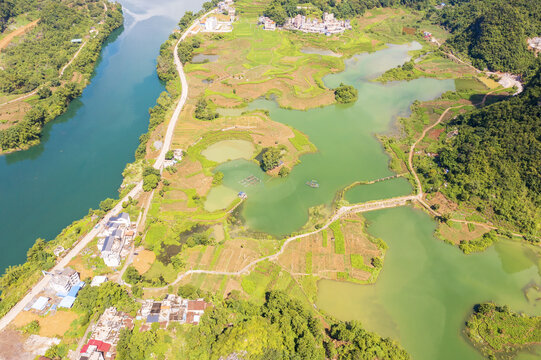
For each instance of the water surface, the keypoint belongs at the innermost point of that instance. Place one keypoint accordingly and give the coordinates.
(344, 135)
(83, 152)
(427, 288)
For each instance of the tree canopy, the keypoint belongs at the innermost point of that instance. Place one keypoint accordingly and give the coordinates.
(345, 94)
(494, 161)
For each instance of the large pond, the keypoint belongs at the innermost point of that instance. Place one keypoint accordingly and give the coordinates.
(348, 150)
(427, 288)
(83, 152)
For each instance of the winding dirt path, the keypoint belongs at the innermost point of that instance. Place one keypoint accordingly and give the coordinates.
(9, 37)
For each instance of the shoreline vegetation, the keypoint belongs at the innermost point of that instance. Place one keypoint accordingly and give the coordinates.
(499, 333)
(182, 235)
(33, 92)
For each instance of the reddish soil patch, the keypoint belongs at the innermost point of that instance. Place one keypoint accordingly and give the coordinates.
(435, 134)
(5, 41)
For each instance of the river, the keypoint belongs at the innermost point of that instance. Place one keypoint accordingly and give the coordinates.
(83, 152)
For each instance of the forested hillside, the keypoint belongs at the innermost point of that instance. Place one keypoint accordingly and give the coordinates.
(279, 10)
(493, 33)
(494, 162)
(34, 60)
(281, 328)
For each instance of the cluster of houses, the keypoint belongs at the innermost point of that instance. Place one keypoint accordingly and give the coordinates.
(328, 25)
(172, 308)
(115, 239)
(214, 24)
(105, 335)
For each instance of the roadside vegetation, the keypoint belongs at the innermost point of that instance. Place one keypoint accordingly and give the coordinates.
(498, 332)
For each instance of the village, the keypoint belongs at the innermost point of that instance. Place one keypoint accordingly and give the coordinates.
(328, 25)
(106, 331)
(222, 20)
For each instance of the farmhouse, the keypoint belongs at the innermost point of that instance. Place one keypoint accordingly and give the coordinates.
(172, 308)
(105, 335)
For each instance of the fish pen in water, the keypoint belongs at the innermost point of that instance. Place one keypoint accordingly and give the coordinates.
(250, 181)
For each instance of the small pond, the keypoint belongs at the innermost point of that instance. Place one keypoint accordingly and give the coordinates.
(204, 58)
(219, 198)
(229, 150)
(380, 190)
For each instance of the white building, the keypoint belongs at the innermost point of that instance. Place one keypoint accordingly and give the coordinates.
(211, 23)
(63, 280)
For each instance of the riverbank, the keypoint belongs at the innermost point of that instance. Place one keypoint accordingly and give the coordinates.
(24, 117)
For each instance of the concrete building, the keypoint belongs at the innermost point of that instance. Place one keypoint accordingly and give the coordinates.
(328, 25)
(115, 238)
(211, 23)
(63, 280)
(105, 335)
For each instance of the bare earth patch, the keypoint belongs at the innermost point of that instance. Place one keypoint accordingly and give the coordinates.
(143, 260)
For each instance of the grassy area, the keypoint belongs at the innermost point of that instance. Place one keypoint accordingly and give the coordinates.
(339, 245)
(497, 331)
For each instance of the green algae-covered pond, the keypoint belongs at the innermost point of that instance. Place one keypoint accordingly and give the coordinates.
(229, 150)
(344, 135)
(427, 288)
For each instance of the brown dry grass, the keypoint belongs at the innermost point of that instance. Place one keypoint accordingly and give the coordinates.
(51, 325)
(446, 206)
(143, 261)
(456, 235)
(10, 114)
(369, 19)
(78, 265)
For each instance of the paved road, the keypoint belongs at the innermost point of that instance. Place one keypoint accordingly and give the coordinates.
(40, 286)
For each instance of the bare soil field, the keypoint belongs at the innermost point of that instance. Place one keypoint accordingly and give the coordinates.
(143, 260)
(51, 325)
(325, 262)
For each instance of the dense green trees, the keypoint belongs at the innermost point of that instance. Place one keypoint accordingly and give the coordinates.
(279, 10)
(493, 33)
(35, 60)
(282, 328)
(205, 110)
(271, 158)
(498, 332)
(345, 94)
(95, 299)
(494, 162)
(151, 178)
